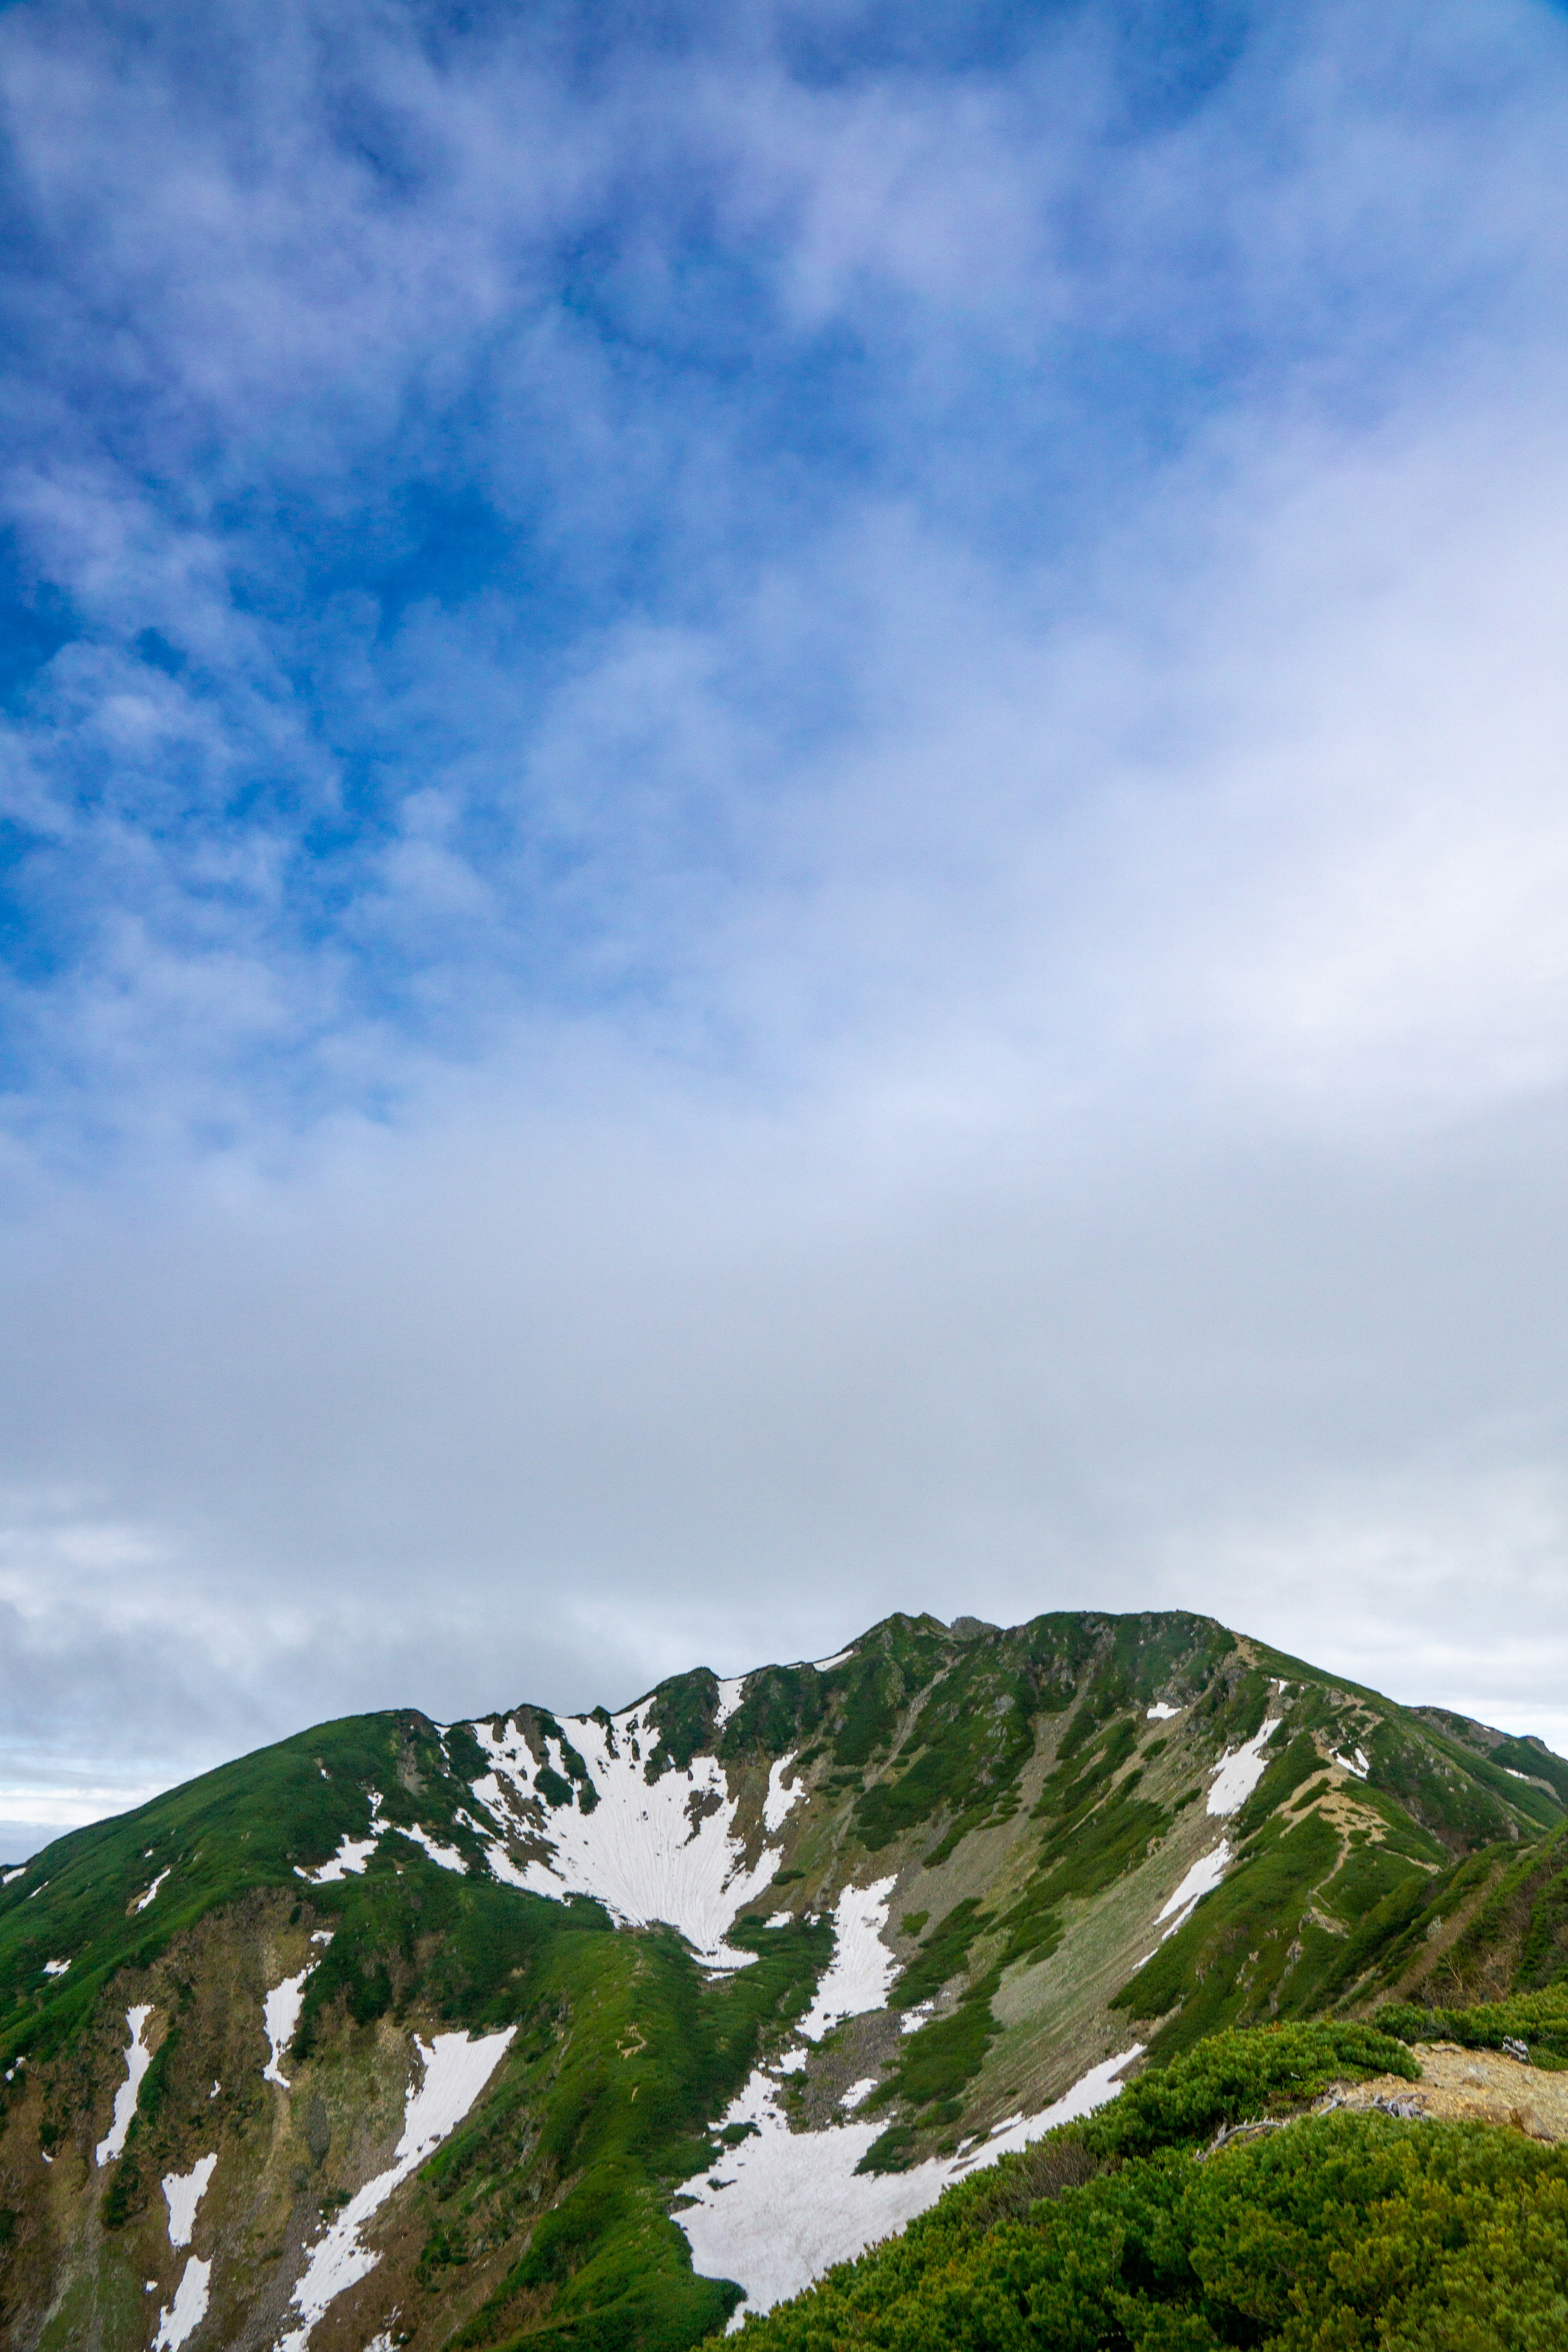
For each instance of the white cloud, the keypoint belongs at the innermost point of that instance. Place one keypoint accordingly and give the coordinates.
(988, 1036)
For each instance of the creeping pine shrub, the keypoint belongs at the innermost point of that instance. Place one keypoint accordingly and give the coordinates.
(1341, 2233)
(1232, 2077)
(1098, 2235)
(1540, 2020)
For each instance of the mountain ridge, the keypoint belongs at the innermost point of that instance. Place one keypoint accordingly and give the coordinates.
(863, 1921)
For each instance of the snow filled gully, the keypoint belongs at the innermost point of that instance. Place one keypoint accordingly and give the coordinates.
(183, 2193)
(660, 1851)
(137, 2058)
(453, 2071)
(782, 2207)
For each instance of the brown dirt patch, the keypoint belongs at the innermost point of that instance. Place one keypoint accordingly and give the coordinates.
(1480, 2086)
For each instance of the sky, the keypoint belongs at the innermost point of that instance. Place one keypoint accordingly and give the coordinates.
(783, 834)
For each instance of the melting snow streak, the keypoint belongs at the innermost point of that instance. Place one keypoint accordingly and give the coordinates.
(455, 2070)
(863, 1968)
(187, 2311)
(1240, 1769)
(1201, 1879)
(137, 2060)
(183, 2192)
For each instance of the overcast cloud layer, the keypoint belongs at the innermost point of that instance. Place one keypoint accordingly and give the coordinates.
(784, 834)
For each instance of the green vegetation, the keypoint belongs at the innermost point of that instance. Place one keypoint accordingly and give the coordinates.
(1326, 2234)
(626, 2052)
(1540, 2020)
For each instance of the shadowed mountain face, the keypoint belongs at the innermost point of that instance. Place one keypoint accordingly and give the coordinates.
(577, 2032)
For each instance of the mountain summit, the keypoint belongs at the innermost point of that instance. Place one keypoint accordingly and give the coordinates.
(592, 2030)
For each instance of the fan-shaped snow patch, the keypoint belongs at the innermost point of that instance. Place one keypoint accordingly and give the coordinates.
(137, 2058)
(781, 2206)
(826, 1665)
(279, 2016)
(187, 2311)
(1160, 1713)
(729, 1700)
(1358, 1764)
(143, 1900)
(55, 1968)
(183, 2192)
(353, 1852)
(863, 1968)
(1239, 1770)
(9, 1877)
(454, 2072)
(666, 1851)
(1201, 1879)
(778, 1800)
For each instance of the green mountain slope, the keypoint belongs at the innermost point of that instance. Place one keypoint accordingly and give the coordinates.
(485, 2027)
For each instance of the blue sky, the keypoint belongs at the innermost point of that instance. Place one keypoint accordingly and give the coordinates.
(782, 833)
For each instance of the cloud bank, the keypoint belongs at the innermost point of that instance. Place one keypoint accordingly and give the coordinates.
(782, 833)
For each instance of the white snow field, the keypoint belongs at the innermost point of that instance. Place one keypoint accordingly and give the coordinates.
(781, 2209)
(862, 1970)
(1239, 1771)
(137, 2060)
(1162, 1713)
(455, 2071)
(55, 1968)
(666, 1851)
(143, 1900)
(1201, 1879)
(187, 2311)
(183, 2192)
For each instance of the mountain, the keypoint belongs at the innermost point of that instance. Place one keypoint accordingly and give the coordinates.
(585, 2031)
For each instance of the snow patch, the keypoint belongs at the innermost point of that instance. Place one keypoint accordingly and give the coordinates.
(55, 1968)
(187, 2311)
(447, 1856)
(826, 1665)
(353, 1852)
(137, 2058)
(7, 1875)
(1239, 1771)
(662, 1852)
(143, 1900)
(455, 2071)
(183, 2192)
(1358, 1764)
(858, 2093)
(1201, 1879)
(1160, 1713)
(778, 1800)
(729, 1700)
(862, 1970)
(780, 2208)
(279, 2016)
